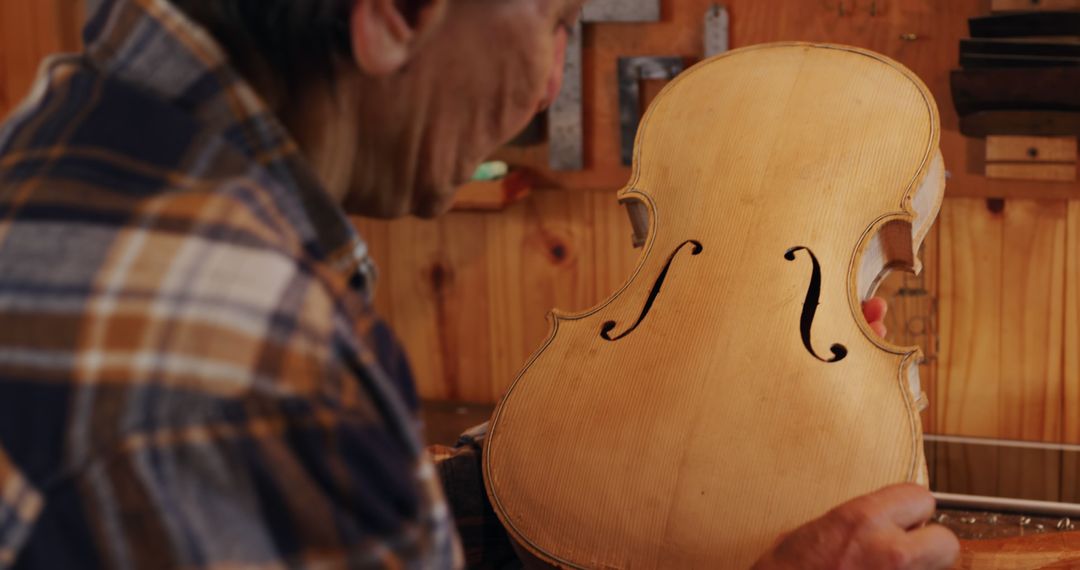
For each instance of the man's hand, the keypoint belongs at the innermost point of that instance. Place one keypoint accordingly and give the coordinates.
(882, 531)
(874, 310)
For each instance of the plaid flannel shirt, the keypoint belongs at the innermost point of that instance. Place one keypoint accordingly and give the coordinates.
(190, 372)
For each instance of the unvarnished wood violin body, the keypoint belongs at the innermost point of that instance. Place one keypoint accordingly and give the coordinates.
(731, 389)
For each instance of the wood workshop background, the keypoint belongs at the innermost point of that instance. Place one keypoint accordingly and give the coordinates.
(997, 309)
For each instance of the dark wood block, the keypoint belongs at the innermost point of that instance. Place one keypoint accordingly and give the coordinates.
(1020, 48)
(1026, 24)
(979, 60)
(1017, 89)
(1035, 123)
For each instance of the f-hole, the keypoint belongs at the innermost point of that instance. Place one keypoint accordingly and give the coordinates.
(605, 331)
(810, 305)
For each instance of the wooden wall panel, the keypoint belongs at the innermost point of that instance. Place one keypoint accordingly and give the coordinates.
(968, 389)
(1032, 322)
(1071, 376)
(469, 293)
(1002, 281)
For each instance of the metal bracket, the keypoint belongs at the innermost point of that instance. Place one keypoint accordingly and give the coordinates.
(565, 131)
(631, 71)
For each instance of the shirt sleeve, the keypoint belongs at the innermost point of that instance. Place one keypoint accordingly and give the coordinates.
(270, 484)
(230, 415)
(20, 505)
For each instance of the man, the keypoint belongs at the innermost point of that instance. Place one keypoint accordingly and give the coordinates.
(190, 372)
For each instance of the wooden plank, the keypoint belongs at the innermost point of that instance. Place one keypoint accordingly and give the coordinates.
(456, 278)
(433, 289)
(516, 330)
(1002, 291)
(1046, 172)
(1071, 377)
(977, 60)
(1033, 5)
(1030, 149)
(492, 195)
(1033, 293)
(1058, 551)
(970, 314)
(1050, 89)
(1025, 24)
(1030, 123)
(1025, 47)
(406, 298)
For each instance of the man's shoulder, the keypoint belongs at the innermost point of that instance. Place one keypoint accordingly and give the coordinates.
(94, 138)
(93, 162)
(150, 272)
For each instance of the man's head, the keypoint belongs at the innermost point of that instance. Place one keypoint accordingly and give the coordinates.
(396, 102)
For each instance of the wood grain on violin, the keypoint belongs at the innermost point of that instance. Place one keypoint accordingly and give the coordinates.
(731, 389)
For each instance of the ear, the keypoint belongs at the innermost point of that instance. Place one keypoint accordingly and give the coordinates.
(382, 41)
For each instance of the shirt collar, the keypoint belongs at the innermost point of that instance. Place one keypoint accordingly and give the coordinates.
(152, 45)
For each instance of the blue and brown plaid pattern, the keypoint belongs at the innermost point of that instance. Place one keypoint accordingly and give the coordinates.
(190, 372)
(20, 505)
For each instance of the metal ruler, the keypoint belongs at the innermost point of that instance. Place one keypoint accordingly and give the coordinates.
(566, 147)
(717, 30)
(621, 11)
(565, 135)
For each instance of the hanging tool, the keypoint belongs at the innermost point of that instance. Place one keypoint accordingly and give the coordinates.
(717, 29)
(565, 132)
